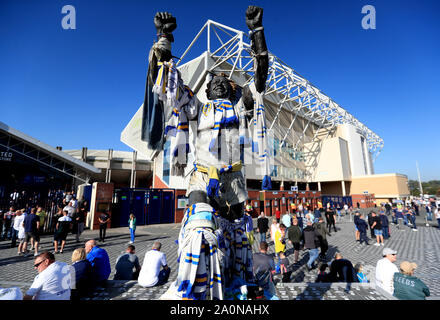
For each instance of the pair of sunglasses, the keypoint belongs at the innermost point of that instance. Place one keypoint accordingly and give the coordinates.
(38, 264)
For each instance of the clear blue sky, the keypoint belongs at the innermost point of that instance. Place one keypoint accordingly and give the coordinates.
(80, 87)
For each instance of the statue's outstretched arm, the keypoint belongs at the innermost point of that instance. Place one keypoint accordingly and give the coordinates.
(153, 110)
(165, 24)
(254, 21)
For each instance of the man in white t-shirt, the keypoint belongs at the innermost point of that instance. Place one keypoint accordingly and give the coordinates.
(53, 279)
(150, 274)
(385, 270)
(70, 210)
(18, 221)
(346, 209)
(74, 203)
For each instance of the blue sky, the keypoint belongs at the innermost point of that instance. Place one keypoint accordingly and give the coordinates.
(80, 87)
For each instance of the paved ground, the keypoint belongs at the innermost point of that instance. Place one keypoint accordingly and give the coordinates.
(420, 247)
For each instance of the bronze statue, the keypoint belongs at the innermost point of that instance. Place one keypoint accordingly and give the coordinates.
(212, 242)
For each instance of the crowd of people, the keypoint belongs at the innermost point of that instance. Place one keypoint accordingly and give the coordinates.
(89, 269)
(378, 220)
(303, 228)
(26, 220)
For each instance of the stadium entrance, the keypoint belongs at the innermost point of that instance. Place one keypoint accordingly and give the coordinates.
(32, 172)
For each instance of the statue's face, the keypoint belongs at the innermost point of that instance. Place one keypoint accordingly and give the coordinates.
(220, 88)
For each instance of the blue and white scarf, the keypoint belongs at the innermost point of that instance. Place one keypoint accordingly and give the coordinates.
(216, 115)
(237, 250)
(169, 86)
(259, 138)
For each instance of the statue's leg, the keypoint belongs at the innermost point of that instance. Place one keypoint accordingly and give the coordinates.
(232, 212)
(237, 210)
(233, 195)
(197, 196)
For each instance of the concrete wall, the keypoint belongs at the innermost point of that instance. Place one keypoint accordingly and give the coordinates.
(391, 185)
(333, 188)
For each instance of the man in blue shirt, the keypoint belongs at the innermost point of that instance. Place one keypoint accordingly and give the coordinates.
(317, 214)
(100, 262)
(385, 224)
(31, 225)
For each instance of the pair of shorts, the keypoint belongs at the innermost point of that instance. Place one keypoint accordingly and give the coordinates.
(232, 188)
(33, 235)
(296, 246)
(59, 237)
(378, 232)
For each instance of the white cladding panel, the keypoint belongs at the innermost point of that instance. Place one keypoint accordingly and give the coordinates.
(334, 163)
(356, 149)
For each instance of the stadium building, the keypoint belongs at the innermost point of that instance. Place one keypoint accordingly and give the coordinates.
(318, 148)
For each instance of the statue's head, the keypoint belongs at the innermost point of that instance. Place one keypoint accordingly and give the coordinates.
(220, 87)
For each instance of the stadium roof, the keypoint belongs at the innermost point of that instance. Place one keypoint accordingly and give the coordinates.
(294, 92)
(31, 148)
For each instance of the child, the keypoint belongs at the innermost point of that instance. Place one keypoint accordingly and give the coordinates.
(355, 220)
(280, 242)
(322, 275)
(284, 266)
(361, 276)
(132, 227)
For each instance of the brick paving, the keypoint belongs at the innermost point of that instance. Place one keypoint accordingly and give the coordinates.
(420, 247)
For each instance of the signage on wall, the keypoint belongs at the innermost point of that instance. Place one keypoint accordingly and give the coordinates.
(182, 202)
(294, 188)
(32, 179)
(5, 156)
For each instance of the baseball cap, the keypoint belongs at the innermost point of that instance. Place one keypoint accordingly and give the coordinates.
(407, 266)
(387, 251)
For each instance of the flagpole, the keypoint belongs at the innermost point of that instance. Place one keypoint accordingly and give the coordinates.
(420, 182)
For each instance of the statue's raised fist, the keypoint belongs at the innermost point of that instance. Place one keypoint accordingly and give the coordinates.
(164, 22)
(254, 17)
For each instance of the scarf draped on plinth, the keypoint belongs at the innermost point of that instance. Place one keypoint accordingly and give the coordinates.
(199, 276)
(237, 250)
